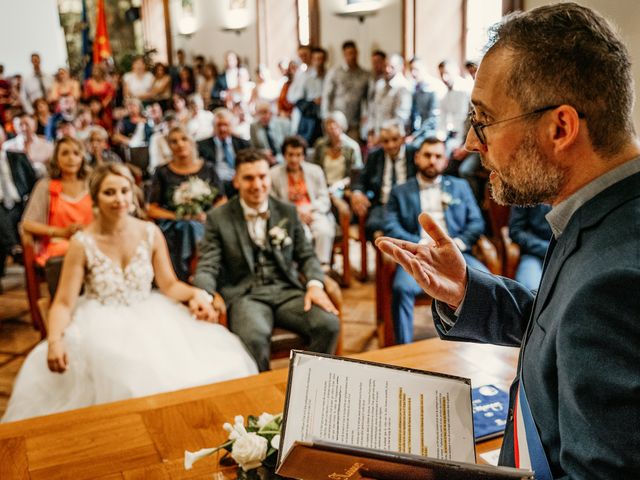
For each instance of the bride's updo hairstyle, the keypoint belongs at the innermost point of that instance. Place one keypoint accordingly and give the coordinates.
(103, 171)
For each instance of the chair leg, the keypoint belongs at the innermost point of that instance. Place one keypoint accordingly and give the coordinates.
(363, 250)
(346, 263)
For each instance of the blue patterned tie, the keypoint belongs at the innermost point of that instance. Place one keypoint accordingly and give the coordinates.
(229, 157)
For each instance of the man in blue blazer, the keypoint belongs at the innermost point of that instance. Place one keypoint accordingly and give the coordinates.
(552, 120)
(385, 167)
(447, 199)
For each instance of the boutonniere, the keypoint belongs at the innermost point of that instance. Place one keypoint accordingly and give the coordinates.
(279, 236)
(448, 200)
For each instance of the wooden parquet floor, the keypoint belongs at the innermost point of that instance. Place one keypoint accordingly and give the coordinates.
(17, 337)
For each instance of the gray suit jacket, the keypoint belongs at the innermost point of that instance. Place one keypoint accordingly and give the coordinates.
(226, 262)
(313, 177)
(580, 337)
(280, 129)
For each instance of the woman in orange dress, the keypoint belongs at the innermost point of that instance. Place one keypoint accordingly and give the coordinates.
(59, 206)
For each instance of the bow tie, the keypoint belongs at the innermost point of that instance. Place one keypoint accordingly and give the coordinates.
(255, 216)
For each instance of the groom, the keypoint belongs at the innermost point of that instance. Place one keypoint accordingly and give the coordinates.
(251, 252)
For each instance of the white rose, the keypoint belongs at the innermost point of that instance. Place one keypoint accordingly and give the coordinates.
(264, 419)
(249, 451)
(275, 442)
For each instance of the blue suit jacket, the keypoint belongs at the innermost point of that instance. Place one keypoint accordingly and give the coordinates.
(369, 181)
(462, 216)
(580, 337)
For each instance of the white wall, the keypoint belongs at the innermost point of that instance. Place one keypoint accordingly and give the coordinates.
(625, 14)
(28, 26)
(210, 40)
(383, 30)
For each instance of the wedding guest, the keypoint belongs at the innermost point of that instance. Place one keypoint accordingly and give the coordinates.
(97, 85)
(121, 339)
(64, 84)
(304, 185)
(160, 90)
(59, 206)
(37, 149)
(254, 262)
(285, 108)
(34, 86)
(67, 110)
(137, 83)
(228, 79)
(209, 74)
(133, 130)
(186, 84)
(223, 147)
(159, 151)
(310, 124)
(385, 168)
(182, 231)
(97, 148)
(42, 114)
(268, 132)
(337, 153)
(180, 108)
(83, 122)
(200, 123)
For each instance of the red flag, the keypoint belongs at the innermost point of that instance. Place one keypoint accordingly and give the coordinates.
(101, 45)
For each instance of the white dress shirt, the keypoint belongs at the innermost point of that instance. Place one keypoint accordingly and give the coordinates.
(400, 166)
(256, 225)
(431, 203)
(39, 151)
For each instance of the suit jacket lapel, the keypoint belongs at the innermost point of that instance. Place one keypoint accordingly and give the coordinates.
(447, 187)
(414, 204)
(240, 225)
(274, 219)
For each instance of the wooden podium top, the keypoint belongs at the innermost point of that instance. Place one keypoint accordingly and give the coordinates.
(146, 437)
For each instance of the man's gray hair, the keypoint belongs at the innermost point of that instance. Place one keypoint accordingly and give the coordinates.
(222, 112)
(393, 124)
(569, 54)
(338, 117)
(98, 130)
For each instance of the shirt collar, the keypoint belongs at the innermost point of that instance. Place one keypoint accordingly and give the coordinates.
(247, 210)
(560, 215)
(400, 156)
(425, 183)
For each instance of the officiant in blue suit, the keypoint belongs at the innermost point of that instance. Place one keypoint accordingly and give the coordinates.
(552, 121)
(450, 202)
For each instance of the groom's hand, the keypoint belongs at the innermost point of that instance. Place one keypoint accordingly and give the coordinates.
(317, 295)
(438, 266)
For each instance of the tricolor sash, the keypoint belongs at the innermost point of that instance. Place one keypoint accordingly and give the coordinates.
(529, 453)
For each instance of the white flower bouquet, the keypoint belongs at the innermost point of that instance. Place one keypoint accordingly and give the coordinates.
(192, 197)
(251, 446)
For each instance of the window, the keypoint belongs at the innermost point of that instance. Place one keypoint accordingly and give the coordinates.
(480, 15)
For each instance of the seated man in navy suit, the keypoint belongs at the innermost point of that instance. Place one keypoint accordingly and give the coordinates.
(385, 167)
(222, 148)
(450, 202)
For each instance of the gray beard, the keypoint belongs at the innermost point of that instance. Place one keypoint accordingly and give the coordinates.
(530, 178)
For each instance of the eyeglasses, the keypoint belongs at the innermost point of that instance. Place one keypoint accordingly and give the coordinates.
(478, 127)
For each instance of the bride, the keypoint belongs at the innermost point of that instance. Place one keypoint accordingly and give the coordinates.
(120, 339)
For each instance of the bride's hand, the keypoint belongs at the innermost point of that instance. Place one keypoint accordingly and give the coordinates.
(57, 358)
(201, 306)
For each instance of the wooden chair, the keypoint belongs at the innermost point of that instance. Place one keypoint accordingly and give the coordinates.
(341, 242)
(484, 250)
(34, 278)
(510, 254)
(283, 340)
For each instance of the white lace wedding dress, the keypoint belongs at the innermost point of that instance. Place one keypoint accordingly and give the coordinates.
(126, 341)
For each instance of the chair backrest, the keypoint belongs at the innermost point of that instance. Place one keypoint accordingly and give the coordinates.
(138, 156)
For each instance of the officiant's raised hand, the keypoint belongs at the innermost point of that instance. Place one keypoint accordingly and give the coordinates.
(438, 266)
